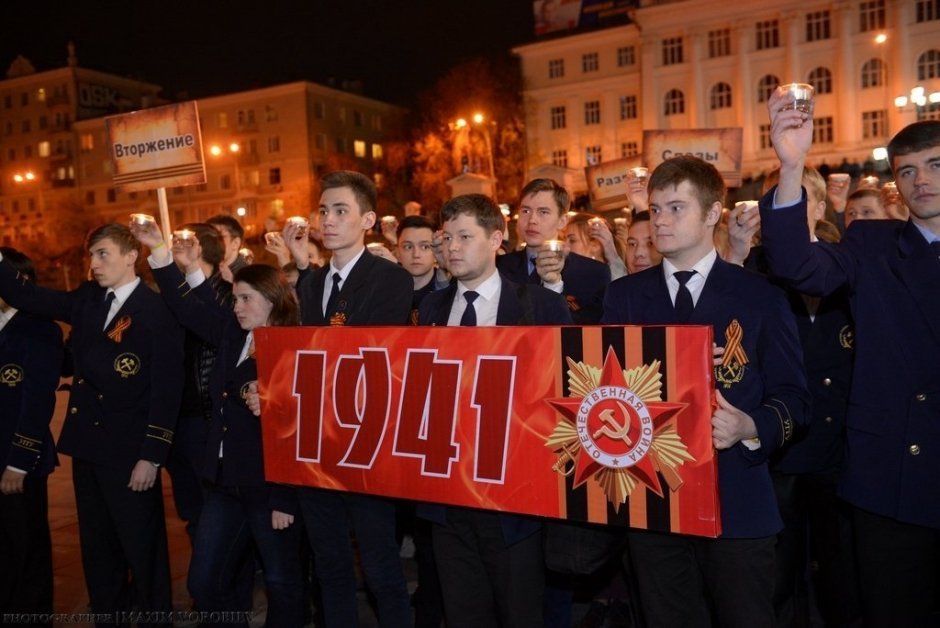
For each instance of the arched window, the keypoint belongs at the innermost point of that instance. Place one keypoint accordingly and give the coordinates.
(928, 65)
(675, 102)
(821, 80)
(766, 86)
(873, 73)
(720, 96)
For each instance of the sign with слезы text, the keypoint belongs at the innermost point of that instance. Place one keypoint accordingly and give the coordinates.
(600, 424)
(156, 148)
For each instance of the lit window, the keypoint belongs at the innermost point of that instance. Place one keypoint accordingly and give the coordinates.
(674, 103)
(87, 142)
(377, 151)
(592, 112)
(928, 10)
(768, 34)
(359, 148)
(874, 124)
(928, 65)
(719, 43)
(873, 73)
(821, 80)
(765, 141)
(593, 155)
(626, 55)
(628, 108)
(822, 130)
(590, 62)
(871, 15)
(766, 86)
(817, 25)
(43, 149)
(720, 96)
(629, 149)
(41, 94)
(672, 50)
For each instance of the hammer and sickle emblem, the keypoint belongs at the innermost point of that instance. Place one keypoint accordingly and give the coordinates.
(613, 429)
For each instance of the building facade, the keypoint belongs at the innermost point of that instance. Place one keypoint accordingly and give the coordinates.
(709, 64)
(264, 151)
(39, 145)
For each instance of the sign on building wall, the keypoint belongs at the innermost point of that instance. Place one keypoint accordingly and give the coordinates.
(720, 147)
(156, 148)
(602, 424)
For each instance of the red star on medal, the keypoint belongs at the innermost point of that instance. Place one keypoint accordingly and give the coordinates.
(661, 413)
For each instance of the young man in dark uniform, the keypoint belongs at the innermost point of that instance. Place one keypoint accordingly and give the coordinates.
(581, 280)
(355, 288)
(31, 354)
(490, 564)
(891, 476)
(762, 399)
(119, 425)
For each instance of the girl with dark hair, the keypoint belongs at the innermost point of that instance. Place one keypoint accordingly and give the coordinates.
(241, 510)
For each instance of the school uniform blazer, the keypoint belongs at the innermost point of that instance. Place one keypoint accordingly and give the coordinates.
(828, 342)
(524, 304)
(31, 354)
(376, 292)
(232, 425)
(585, 282)
(893, 425)
(772, 389)
(126, 391)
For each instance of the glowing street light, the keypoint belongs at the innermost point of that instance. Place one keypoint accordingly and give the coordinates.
(881, 38)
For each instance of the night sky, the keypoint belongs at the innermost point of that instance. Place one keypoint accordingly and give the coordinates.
(205, 48)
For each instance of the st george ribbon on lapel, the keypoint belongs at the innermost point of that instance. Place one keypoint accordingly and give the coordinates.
(684, 305)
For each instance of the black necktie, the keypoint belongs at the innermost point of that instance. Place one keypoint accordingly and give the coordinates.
(469, 318)
(105, 309)
(684, 305)
(334, 295)
(534, 275)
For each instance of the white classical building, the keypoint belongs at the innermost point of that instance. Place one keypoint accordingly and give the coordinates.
(712, 63)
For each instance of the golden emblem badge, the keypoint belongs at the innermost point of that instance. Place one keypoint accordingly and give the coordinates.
(734, 361)
(11, 374)
(127, 364)
(122, 325)
(847, 337)
(615, 430)
(573, 304)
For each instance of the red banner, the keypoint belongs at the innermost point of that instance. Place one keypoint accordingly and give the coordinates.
(601, 424)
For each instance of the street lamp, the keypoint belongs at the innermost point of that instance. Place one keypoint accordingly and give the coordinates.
(233, 149)
(919, 98)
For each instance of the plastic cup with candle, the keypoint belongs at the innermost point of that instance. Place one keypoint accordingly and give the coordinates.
(621, 221)
(184, 237)
(303, 225)
(640, 174)
(555, 246)
(142, 220)
(868, 183)
(802, 94)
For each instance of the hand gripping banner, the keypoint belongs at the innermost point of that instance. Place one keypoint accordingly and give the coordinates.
(601, 424)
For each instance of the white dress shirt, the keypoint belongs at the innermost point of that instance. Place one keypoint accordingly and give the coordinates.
(485, 305)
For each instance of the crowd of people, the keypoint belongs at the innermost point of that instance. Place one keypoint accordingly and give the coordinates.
(824, 298)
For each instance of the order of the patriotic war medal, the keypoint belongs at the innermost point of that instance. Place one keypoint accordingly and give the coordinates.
(616, 431)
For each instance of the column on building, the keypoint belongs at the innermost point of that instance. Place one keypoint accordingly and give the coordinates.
(848, 113)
